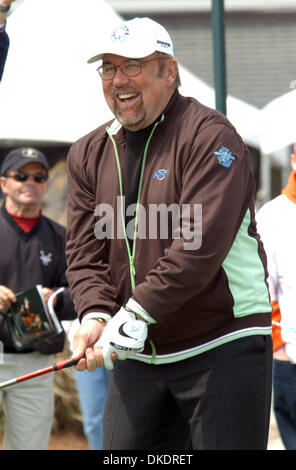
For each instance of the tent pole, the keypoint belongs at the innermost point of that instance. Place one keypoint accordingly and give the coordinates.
(219, 54)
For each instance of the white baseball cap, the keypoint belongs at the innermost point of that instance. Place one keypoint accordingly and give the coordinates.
(136, 38)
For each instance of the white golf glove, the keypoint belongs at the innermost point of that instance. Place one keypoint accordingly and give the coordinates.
(124, 334)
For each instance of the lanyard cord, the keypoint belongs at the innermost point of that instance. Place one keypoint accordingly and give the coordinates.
(131, 254)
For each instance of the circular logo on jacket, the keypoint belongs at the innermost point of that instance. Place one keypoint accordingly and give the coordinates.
(160, 174)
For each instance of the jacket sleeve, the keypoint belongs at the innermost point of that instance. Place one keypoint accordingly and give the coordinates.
(88, 270)
(64, 306)
(4, 45)
(223, 195)
(277, 339)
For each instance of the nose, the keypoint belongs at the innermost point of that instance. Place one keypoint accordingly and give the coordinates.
(119, 76)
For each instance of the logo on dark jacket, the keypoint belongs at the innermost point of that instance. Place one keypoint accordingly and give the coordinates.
(225, 157)
(45, 258)
(160, 174)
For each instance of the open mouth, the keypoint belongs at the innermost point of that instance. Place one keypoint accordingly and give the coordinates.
(127, 97)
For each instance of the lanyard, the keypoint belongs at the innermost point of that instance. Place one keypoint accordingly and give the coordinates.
(131, 253)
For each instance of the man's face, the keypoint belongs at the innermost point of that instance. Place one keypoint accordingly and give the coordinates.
(24, 194)
(138, 101)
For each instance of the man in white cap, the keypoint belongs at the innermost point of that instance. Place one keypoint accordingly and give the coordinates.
(166, 268)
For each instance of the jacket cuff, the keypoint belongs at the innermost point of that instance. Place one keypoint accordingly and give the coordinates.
(139, 310)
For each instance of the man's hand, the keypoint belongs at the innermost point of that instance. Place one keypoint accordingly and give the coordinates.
(6, 3)
(85, 345)
(7, 297)
(124, 335)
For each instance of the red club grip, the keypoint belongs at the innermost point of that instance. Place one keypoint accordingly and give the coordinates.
(65, 363)
(36, 373)
(54, 367)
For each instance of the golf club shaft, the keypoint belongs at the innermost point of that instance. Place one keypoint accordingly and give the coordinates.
(57, 366)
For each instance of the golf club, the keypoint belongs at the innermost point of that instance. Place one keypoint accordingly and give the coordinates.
(57, 366)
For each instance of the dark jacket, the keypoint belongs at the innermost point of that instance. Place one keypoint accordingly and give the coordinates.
(4, 45)
(200, 296)
(23, 266)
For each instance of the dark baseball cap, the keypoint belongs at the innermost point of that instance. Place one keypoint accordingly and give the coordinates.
(19, 157)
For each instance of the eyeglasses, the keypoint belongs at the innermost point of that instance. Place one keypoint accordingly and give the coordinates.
(22, 176)
(129, 67)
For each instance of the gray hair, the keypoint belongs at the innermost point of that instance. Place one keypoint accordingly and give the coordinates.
(166, 57)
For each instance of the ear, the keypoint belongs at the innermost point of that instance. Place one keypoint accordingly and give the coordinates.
(172, 71)
(3, 184)
(293, 161)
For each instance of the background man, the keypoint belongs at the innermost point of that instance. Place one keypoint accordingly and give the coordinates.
(24, 234)
(277, 226)
(187, 312)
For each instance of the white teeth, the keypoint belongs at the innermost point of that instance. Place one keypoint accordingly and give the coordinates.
(126, 96)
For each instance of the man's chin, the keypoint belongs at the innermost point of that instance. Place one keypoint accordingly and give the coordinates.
(29, 201)
(133, 124)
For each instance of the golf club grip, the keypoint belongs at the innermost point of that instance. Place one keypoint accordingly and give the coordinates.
(66, 363)
(57, 366)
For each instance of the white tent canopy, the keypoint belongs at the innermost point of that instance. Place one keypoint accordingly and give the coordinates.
(245, 117)
(49, 92)
(278, 123)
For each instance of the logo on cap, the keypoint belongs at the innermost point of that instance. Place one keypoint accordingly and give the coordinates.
(164, 44)
(29, 153)
(120, 33)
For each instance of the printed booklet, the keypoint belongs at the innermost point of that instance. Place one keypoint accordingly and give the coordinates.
(31, 320)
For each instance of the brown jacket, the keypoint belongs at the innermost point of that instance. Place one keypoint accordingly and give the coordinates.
(214, 290)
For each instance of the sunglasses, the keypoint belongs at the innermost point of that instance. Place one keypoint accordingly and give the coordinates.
(22, 176)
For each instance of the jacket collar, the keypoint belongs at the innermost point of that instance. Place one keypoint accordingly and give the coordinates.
(16, 227)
